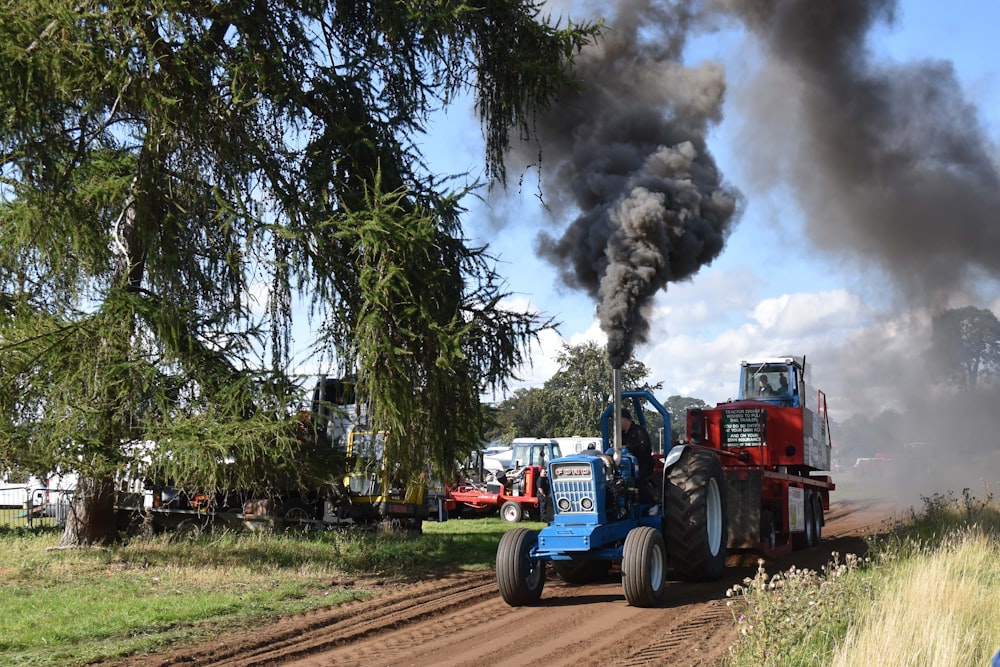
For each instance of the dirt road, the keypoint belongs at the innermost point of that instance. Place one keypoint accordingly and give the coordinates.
(461, 620)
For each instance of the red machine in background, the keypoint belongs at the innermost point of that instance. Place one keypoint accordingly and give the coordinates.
(518, 491)
(774, 444)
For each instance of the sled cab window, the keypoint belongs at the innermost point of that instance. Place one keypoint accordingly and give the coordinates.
(766, 381)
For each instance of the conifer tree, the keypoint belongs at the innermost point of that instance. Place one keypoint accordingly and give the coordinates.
(176, 174)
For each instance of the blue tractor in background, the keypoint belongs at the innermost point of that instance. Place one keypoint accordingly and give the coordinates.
(598, 519)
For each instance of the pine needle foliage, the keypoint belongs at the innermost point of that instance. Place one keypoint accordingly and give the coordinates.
(175, 175)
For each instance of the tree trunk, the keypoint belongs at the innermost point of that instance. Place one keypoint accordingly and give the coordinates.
(91, 519)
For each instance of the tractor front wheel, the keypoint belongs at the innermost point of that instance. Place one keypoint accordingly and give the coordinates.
(644, 566)
(520, 577)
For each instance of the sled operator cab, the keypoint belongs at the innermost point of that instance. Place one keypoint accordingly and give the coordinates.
(779, 380)
(774, 442)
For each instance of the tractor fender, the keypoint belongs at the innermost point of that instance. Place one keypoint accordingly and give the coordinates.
(673, 456)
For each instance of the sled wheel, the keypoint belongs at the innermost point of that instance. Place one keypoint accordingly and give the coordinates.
(807, 538)
(295, 515)
(141, 527)
(768, 533)
(818, 517)
(520, 578)
(695, 516)
(186, 530)
(644, 566)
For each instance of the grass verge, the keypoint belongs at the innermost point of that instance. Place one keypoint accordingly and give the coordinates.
(926, 594)
(70, 607)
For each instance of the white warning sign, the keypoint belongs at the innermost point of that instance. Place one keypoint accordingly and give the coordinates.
(744, 427)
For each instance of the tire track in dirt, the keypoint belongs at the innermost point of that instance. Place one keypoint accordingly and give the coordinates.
(490, 631)
(319, 630)
(688, 639)
(367, 621)
(461, 619)
(571, 625)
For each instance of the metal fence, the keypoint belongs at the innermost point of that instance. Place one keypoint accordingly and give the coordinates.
(32, 506)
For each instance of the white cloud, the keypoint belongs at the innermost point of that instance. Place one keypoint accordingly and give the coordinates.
(802, 314)
(861, 359)
(258, 293)
(707, 367)
(542, 363)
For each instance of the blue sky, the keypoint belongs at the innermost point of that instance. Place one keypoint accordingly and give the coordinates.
(771, 291)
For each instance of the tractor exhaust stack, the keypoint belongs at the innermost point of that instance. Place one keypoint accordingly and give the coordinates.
(616, 414)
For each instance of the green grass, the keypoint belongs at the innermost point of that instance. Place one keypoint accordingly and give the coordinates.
(928, 593)
(69, 607)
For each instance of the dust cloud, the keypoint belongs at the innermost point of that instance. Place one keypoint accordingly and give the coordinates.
(893, 170)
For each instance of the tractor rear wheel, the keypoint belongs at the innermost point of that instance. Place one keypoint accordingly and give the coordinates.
(695, 516)
(644, 566)
(581, 571)
(520, 577)
(511, 511)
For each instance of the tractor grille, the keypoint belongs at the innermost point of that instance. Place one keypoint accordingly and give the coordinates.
(573, 488)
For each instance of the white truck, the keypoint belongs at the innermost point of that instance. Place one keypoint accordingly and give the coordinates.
(35, 497)
(15, 492)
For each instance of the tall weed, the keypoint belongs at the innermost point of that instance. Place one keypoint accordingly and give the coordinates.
(935, 606)
(796, 617)
(927, 594)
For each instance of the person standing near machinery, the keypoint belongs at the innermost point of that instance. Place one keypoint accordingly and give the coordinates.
(636, 439)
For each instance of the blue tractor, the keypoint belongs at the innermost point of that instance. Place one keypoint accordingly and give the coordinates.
(598, 519)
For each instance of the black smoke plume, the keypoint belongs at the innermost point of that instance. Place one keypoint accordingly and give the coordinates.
(628, 152)
(889, 162)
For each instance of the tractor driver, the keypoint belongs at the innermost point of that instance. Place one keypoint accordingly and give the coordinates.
(636, 439)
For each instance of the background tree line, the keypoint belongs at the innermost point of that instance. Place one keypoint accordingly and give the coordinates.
(964, 354)
(572, 400)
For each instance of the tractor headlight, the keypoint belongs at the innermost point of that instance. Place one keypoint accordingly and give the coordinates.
(587, 504)
(564, 504)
